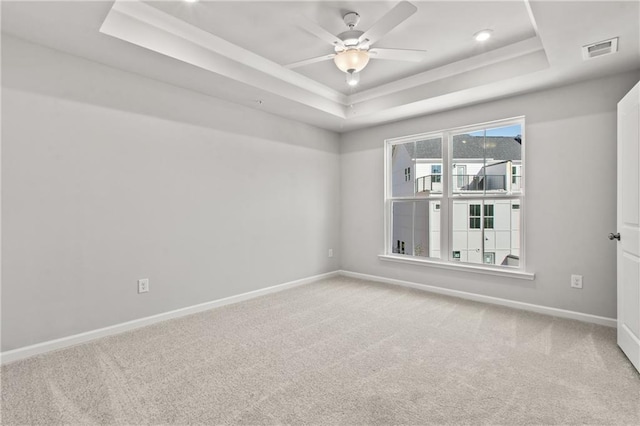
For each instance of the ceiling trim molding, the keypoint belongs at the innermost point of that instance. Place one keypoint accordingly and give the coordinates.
(456, 88)
(148, 27)
(501, 55)
(534, 24)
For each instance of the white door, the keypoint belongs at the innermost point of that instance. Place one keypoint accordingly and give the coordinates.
(629, 225)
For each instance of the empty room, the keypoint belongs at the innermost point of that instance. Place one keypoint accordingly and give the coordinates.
(320, 212)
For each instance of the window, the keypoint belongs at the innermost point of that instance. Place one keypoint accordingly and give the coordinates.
(436, 173)
(460, 175)
(489, 258)
(474, 216)
(488, 216)
(462, 203)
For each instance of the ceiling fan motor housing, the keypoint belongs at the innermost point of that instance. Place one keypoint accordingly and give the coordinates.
(350, 40)
(351, 19)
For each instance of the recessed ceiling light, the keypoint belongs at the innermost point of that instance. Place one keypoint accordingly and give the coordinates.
(482, 35)
(191, 1)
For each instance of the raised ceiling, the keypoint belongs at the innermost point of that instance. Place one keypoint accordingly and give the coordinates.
(276, 32)
(236, 50)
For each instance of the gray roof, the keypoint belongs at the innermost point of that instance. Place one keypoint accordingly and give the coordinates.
(495, 147)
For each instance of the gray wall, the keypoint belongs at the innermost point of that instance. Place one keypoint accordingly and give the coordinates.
(108, 177)
(570, 196)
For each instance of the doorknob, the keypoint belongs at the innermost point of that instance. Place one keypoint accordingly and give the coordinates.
(613, 236)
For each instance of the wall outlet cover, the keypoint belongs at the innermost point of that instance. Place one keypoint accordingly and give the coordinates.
(143, 285)
(576, 281)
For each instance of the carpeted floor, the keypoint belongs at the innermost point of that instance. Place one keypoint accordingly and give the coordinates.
(340, 351)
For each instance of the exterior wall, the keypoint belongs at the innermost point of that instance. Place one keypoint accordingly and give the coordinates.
(503, 239)
(401, 161)
(435, 226)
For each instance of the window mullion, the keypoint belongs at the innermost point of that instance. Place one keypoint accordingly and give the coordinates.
(446, 209)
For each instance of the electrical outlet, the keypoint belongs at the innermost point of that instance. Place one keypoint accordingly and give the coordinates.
(143, 285)
(330, 252)
(576, 281)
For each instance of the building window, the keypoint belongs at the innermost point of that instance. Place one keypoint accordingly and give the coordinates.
(488, 216)
(474, 216)
(489, 258)
(462, 203)
(407, 174)
(436, 173)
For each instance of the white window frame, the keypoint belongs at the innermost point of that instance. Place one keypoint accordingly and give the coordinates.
(447, 197)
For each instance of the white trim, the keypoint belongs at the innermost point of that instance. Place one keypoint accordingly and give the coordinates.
(545, 310)
(464, 267)
(65, 342)
(503, 55)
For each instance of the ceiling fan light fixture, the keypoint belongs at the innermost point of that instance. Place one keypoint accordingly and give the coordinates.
(353, 78)
(351, 60)
(483, 35)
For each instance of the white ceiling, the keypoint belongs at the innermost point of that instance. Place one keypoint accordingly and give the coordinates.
(235, 50)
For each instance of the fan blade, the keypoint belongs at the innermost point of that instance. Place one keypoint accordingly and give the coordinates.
(388, 22)
(310, 61)
(408, 55)
(311, 27)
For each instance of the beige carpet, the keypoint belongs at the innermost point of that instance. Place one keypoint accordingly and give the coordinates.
(341, 351)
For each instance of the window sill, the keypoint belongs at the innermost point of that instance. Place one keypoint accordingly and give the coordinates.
(458, 267)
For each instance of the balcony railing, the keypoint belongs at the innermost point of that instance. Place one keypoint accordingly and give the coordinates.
(486, 183)
(480, 183)
(429, 183)
(433, 183)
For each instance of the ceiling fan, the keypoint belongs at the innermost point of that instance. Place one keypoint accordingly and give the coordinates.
(353, 48)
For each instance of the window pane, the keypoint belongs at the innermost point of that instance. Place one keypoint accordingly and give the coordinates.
(487, 161)
(428, 158)
(402, 227)
(416, 228)
(497, 242)
(402, 164)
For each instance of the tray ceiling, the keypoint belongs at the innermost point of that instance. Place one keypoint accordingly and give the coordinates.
(236, 50)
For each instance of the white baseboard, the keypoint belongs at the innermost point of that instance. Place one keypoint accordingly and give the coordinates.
(65, 342)
(609, 322)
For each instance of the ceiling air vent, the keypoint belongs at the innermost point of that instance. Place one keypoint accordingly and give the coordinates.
(600, 48)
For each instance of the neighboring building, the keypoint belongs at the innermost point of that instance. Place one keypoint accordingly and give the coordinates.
(479, 165)
(501, 245)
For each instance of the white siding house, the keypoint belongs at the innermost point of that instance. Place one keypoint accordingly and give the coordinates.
(483, 231)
